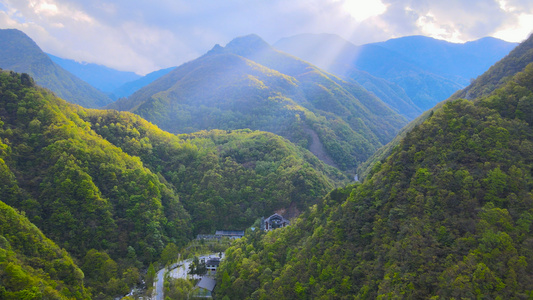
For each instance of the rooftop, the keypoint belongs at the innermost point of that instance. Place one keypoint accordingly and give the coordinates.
(207, 283)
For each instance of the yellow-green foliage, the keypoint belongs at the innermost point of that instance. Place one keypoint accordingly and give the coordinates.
(447, 215)
(31, 265)
(113, 189)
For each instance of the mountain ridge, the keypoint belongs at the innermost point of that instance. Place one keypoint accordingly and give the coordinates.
(267, 90)
(447, 214)
(21, 54)
(408, 62)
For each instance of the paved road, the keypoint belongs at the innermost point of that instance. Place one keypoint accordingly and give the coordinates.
(160, 279)
(177, 270)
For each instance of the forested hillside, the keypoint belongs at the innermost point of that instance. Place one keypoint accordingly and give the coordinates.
(31, 265)
(485, 84)
(113, 190)
(19, 53)
(447, 215)
(248, 84)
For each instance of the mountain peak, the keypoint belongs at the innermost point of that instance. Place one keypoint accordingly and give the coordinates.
(19, 53)
(246, 45)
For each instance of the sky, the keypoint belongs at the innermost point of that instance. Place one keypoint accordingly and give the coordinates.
(147, 35)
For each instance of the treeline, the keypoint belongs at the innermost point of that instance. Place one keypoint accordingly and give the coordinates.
(106, 186)
(447, 215)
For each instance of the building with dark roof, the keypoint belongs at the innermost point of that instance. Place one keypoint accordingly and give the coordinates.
(205, 286)
(212, 264)
(273, 222)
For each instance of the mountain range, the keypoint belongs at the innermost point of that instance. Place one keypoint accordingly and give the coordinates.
(101, 77)
(428, 70)
(116, 84)
(249, 84)
(90, 199)
(447, 214)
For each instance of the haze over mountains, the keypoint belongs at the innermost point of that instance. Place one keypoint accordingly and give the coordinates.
(447, 215)
(428, 70)
(101, 77)
(114, 83)
(249, 84)
(20, 54)
(409, 74)
(90, 198)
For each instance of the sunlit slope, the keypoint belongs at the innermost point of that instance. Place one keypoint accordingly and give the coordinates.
(31, 265)
(19, 53)
(82, 191)
(110, 186)
(447, 215)
(248, 84)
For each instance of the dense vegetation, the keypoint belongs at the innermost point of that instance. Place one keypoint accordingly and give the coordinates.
(447, 215)
(106, 186)
(31, 265)
(248, 84)
(19, 53)
(225, 179)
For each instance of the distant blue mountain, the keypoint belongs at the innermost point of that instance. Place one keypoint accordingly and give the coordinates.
(428, 70)
(457, 62)
(131, 87)
(101, 77)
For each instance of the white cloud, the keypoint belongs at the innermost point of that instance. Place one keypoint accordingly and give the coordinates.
(143, 36)
(518, 31)
(361, 10)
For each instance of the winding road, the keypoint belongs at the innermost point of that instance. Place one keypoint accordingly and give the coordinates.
(177, 270)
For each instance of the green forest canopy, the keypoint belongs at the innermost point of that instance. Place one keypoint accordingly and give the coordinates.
(113, 189)
(447, 215)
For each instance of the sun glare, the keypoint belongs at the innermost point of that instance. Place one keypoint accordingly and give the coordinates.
(519, 32)
(361, 10)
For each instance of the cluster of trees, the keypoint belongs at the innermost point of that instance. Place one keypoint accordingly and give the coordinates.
(197, 267)
(31, 265)
(224, 179)
(114, 190)
(447, 215)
